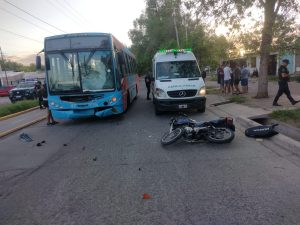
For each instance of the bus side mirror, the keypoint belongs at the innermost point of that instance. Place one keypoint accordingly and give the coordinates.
(121, 58)
(47, 63)
(38, 64)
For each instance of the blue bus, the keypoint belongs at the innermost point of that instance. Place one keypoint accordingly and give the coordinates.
(89, 74)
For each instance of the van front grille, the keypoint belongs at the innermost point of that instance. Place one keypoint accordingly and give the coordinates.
(182, 93)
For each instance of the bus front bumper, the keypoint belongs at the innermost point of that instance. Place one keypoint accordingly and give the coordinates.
(85, 113)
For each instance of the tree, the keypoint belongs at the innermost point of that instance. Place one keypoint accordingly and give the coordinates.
(167, 24)
(276, 14)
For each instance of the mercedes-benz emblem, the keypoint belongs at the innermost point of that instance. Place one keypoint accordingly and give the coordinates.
(182, 94)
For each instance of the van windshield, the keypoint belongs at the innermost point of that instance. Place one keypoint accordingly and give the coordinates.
(177, 69)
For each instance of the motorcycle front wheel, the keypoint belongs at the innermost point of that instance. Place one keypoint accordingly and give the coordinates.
(171, 137)
(220, 135)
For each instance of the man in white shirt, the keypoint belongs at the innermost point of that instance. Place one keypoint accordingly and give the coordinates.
(227, 78)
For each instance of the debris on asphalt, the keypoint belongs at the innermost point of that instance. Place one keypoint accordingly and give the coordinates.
(259, 139)
(83, 148)
(146, 196)
(95, 159)
(65, 145)
(140, 169)
(38, 144)
(43, 142)
(25, 137)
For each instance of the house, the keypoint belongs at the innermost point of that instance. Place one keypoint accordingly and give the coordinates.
(253, 61)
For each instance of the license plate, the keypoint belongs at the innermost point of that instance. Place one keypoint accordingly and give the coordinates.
(18, 96)
(182, 106)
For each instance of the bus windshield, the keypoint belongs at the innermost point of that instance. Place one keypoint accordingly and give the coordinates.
(84, 71)
(177, 69)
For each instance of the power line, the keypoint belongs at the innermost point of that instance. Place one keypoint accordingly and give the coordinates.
(63, 12)
(34, 16)
(26, 20)
(70, 11)
(78, 13)
(19, 35)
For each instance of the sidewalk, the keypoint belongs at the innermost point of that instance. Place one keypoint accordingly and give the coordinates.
(266, 103)
(21, 120)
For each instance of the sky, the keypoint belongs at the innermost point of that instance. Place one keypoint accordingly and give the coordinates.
(69, 16)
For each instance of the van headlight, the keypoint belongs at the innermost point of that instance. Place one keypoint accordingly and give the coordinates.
(160, 93)
(202, 91)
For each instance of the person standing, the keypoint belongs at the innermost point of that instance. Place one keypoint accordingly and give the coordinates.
(220, 74)
(50, 120)
(236, 79)
(227, 79)
(39, 95)
(244, 79)
(148, 84)
(283, 75)
(203, 74)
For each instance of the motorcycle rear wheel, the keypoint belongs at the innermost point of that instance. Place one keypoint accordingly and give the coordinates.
(170, 138)
(220, 135)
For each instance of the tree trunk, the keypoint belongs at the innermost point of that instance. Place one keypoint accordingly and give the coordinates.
(267, 37)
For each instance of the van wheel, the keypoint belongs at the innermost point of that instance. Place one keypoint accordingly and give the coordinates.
(202, 109)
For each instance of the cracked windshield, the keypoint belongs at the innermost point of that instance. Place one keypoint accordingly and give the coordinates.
(81, 72)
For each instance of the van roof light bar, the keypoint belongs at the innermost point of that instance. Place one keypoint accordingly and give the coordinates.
(175, 51)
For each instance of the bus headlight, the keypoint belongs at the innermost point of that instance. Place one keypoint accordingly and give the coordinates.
(202, 91)
(160, 93)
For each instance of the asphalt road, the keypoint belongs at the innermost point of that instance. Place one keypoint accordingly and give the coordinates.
(95, 172)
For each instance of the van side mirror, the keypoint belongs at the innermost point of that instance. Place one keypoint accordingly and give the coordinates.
(38, 64)
(121, 58)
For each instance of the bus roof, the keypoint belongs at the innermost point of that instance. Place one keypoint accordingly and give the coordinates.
(77, 35)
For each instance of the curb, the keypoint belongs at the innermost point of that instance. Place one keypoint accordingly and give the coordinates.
(281, 140)
(18, 113)
(5, 133)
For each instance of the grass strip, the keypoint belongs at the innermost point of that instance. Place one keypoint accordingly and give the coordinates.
(290, 116)
(238, 99)
(19, 106)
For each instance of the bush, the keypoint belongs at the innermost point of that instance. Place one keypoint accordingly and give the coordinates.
(8, 109)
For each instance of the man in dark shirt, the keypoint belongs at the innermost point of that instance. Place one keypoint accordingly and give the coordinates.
(148, 83)
(283, 75)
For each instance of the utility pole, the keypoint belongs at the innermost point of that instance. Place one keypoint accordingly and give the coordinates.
(176, 30)
(4, 66)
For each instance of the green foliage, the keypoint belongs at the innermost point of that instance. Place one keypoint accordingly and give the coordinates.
(155, 29)
(19, 106)
(14, 66)
(291, 116)
(238, 99)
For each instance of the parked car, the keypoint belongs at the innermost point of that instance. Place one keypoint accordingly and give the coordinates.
(4, 90)
(24, 90)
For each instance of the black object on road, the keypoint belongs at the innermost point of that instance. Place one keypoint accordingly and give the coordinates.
(25, 137)
(263, 131)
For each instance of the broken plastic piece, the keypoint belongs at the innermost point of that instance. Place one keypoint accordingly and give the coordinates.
(25, 137)
(146, 196)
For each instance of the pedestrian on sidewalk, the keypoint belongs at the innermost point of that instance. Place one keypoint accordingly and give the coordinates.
(220, 76)
(283, 75)
(38, 89)
(148, 84)
(227, 79)
(236, 79)
(50, 120)
(203, 74)
(245, 73)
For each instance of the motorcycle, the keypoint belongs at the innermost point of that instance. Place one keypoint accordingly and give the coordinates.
(215, 131)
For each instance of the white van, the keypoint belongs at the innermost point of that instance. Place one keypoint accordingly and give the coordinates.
(177, 83)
